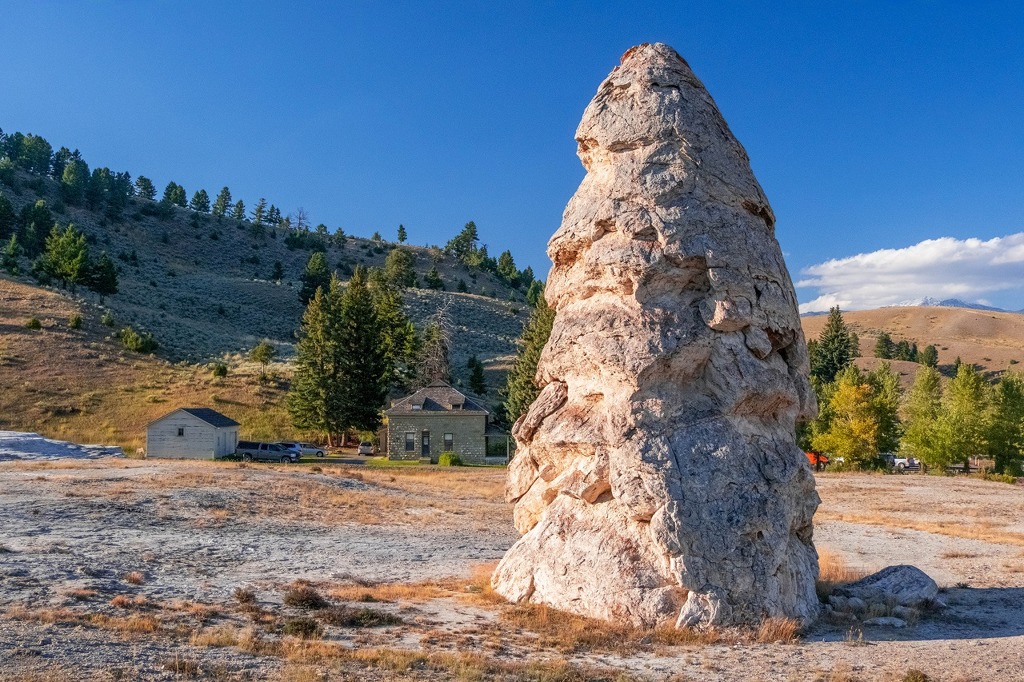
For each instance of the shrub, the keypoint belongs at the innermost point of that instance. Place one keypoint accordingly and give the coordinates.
(107, 319)
(304, 597)
(245, 595)
(135, 578)
(220, 369)
(138, 342)
(346, 616)
(75, 321)
(303, 627)
(34, 323)
(449, 459)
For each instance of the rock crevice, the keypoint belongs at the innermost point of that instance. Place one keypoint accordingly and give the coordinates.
(657, 478)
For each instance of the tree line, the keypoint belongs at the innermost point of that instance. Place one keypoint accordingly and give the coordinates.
(862, 415)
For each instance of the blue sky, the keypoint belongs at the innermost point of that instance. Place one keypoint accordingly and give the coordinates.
(871, 126)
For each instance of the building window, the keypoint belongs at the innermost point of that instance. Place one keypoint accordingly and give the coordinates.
(181, 430)
(449, 442)
(410, 441)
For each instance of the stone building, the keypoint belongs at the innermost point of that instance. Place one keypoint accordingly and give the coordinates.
(192, 433)
(438, 419)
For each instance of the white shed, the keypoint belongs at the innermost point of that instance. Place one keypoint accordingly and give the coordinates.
(192, 433)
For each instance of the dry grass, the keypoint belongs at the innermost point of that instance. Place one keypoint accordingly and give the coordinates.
(123, 601)
(135, 578)
(777, 630)
(82, 594)
(220, 636)
(133, 624)
(982, 530)
(834, 571)
(303, 596)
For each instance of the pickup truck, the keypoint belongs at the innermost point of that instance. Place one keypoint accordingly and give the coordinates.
(267, 452)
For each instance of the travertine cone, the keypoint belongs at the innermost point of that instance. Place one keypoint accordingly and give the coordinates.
(657, 476)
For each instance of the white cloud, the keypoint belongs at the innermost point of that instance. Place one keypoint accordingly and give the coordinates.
(941, 268)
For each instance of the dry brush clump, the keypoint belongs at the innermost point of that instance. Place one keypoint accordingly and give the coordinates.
(304, 596)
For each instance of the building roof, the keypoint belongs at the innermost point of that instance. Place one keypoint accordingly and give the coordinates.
(435, 398)
(211, 417)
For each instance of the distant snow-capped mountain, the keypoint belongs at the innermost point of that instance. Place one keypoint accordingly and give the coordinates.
(946, 302)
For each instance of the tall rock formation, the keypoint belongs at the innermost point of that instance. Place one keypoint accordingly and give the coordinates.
(657, 476)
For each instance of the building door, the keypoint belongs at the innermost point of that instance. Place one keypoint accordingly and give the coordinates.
(425, 439)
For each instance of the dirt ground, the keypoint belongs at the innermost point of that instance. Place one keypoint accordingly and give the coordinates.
(118, 569)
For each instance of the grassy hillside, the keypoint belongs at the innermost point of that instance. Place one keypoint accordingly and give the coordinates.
(991, 340)
(203, 285)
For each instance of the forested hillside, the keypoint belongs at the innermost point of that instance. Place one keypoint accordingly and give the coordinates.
(208, 275)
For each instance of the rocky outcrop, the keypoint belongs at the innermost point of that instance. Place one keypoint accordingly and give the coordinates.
(657, 478)
(895, 585)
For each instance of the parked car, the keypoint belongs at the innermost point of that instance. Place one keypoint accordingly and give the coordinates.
(265, 452)
(365, 448)
(305, 448)
(906, 464)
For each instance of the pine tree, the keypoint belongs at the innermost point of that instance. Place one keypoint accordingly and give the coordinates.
(278, 273)
(316, 276)
(1006, 424)
(8, 218)
(884, 346)
(174, 194)
(535, 292)
(144, 188)
(398, 268)
(833, 350)
(463, 245)
(222, 203)
(929, 356)
(313, 400)
(477, 380)
(507, 269)
(520, 388)
(920, 414)
(103, 277)
(259, 214)
(67, 256)
(432, 280)
(397, 333)
(363, 366)
(9, 256)
(200, 201)
(74, 182)
(238, 213)
(36, 224)
(402, 234)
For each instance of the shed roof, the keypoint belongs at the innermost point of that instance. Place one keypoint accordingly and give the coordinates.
(210, 416)
(437, 397)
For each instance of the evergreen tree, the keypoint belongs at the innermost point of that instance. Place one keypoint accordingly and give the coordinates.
(278, 273)
(314, 398)
(8, 218)
(10, 254)
(175, 194)
(535, 292)
(521, 388)
(74, 182)
(461, 286)
(67, 256)
(273, 215)
(259, 214)
(1006, 424)
(36, 224)
(884, 346)
(61, 158)
(432, 280)
(238, 212)
(398, 268)
(929, 356)
(507, 269)
(902, 351)
(463, 245)
(833, 350)
(477, 380)
(526, 277)
(402, 234)
(316, 276)
(200, 201)
(885, 399)
(263, 353)
(363, 365)
(144, 188)
(98, 188)
(397, 333)
(853, 429)
(920, 415)
(222, 203)
(103, 277)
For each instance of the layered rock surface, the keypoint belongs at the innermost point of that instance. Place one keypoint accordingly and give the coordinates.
(657, 477)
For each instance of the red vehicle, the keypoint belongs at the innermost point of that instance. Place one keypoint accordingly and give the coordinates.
(817, 461)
